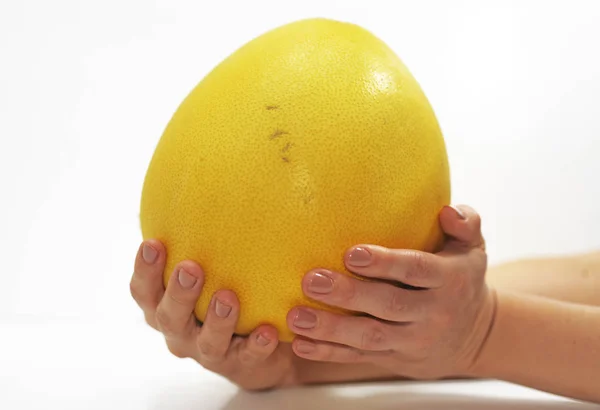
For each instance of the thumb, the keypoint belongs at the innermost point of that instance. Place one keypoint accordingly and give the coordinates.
(463, 224)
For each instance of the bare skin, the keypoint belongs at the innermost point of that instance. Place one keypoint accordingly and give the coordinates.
(461, 324)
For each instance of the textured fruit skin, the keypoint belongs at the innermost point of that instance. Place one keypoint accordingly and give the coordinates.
(307, 140)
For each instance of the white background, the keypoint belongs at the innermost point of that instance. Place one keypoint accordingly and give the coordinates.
(86, 88)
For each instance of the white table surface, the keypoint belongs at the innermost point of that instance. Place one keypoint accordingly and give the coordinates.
(70, 364)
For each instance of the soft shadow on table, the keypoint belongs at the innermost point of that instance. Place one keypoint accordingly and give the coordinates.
(322, 398)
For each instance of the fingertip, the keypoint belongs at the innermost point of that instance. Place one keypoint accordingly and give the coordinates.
(149, 262)
(461, 222)
(151, 251)
(291, 317)
(363, 254)
(265, 337)
(188, 274)
(152, 244)
(227, 297)
(303, 347)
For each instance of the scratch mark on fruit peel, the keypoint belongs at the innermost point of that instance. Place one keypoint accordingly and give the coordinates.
(277, 134)
(272, 107)
(286, 148)
(285, 159)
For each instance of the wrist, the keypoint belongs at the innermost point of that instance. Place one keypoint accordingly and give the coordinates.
(474, 358)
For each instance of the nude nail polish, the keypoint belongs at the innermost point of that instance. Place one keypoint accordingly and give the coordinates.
(305, 347)
(359, 257)
(320, 283)
(305, 319)
(186, 280)
(458, 212)
(149, 254)
(221, 309)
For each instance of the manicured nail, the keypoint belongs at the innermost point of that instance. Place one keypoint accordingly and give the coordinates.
(458, 212)
(186, 280)
(320, 283)
(305, 347)
(149, 254)
(359, 257)
(305, 319)
(261, 340)
(222, 309)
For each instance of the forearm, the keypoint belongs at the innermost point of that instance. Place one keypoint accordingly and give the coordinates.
(544, 344)
(573, 278)
(312, 372)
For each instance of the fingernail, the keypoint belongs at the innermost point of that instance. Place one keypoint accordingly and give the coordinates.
(305, 319)
(458, 212)
(320, 283)
(186, 280)
(305, 347)
(222, 309)
(149, 254)
(261, 340)
(359, 257)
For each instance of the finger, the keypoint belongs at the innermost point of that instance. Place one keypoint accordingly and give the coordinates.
(146, 285)
(218, 327)
(329, 352)
(463, 224)
(360, 332)
(411, 267)
(382, 300)
(174, 314)
(258, 346)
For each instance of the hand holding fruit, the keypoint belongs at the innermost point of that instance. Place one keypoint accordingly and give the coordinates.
(432, 332)
(258, 361)
(430, 329)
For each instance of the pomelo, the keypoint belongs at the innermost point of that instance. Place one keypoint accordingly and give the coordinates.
(309, 139)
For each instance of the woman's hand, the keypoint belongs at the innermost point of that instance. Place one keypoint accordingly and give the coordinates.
(255, 362)
(431, 332)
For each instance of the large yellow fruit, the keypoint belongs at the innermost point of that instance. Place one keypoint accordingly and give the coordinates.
(307, 140)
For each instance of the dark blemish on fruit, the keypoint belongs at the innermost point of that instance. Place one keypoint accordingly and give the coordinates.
(308, 199)
(285, 159)
(287, 147)
(272, 107)
(277, 134)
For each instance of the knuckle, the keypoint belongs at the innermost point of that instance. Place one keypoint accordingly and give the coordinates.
(419, 267)
(328, 328)
(150, 320)
(349, 290)
(164, 321)
(177, 299)
(328, 353)
(372, 338)
(353, 356)
(396, 303)
(208, 351)
(248, 357)
(135, 291)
